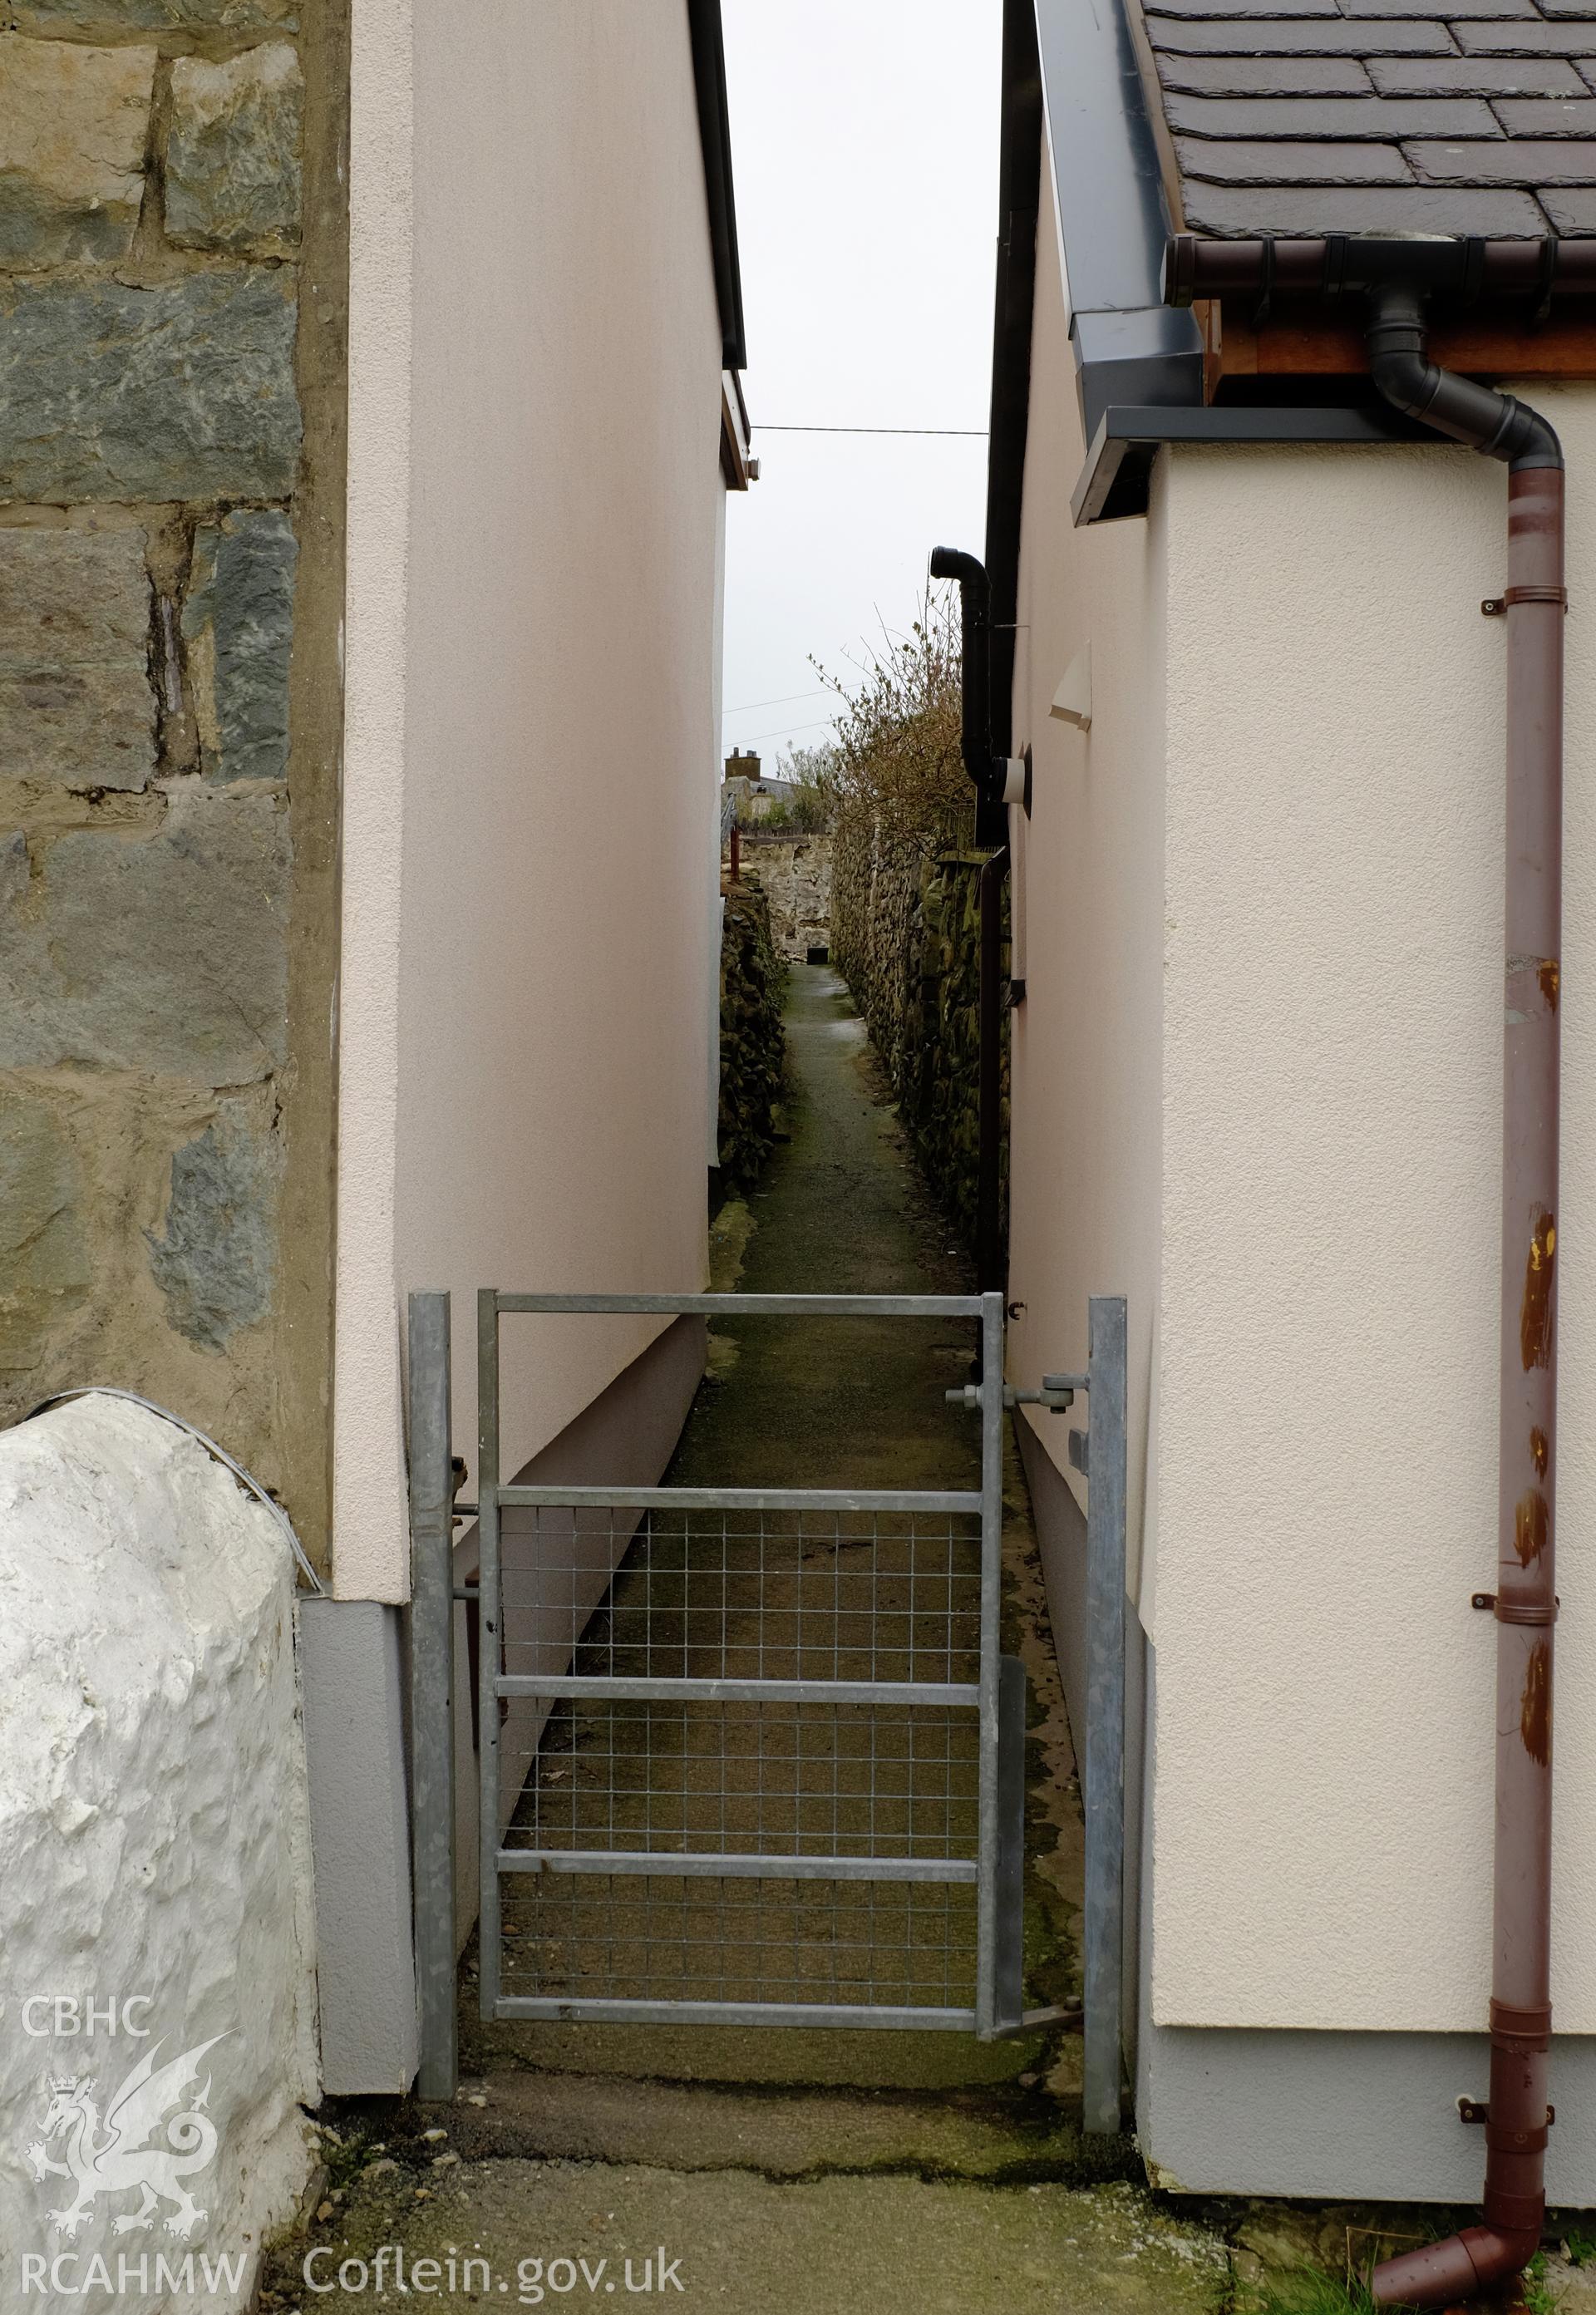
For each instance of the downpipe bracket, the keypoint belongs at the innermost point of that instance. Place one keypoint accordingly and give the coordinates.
(1497, 607)
(1508, 1610)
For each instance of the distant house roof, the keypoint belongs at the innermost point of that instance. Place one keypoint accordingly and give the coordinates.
(1379, 117)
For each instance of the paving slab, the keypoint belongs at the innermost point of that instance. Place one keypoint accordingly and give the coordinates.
(733, 2240)
(1018, 2138)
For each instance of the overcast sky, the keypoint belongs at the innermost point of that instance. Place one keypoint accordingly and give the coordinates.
(865, 141)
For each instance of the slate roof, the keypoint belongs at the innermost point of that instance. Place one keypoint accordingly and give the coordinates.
(1307, 116)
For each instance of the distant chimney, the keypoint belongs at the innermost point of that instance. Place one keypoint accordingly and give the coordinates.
(740, 767)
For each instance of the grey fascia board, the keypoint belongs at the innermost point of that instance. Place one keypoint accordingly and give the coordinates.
(1113, 219)
(1114, 482)
(1131, 359)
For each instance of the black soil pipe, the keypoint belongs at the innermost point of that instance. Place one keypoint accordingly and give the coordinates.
(991, 829)
(991, 1270)
(975, 610)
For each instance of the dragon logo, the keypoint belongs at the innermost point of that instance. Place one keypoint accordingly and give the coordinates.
(117, 2156)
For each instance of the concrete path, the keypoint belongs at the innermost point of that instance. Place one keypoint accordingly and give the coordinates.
(784, 2171)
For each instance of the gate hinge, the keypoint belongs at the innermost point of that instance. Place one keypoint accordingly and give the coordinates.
(1057, 1393)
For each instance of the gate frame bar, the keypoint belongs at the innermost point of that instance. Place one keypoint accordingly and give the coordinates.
(431, 1650)
(1102, 1772)
(494, 1683)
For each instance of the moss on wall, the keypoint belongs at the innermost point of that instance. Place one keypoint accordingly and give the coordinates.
(906, 936)
(753, 1041)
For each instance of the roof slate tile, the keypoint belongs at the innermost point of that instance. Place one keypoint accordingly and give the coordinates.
(1572, 209)
(1462, 116)
(1240, 163)
(1452, 11)
(1372, 117)
(1334, 37)
(1511, 161)
(1473, 76)
(1273, 11)
(1290, 210)
(1537, 39)
(1547, 116)
(1310, 76)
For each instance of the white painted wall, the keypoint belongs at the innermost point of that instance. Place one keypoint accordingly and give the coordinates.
(533, 643)
(1256, 1088)
(154, 1852)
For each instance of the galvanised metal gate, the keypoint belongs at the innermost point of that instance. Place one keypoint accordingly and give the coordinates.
(749, 1771)
(747, 1756)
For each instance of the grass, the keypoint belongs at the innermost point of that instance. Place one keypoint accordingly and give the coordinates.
(1310, 2291)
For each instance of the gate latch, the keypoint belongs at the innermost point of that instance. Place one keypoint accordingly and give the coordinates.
(1057, 1393)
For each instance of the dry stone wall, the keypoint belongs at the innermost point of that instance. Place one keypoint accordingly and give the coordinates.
(172, 336)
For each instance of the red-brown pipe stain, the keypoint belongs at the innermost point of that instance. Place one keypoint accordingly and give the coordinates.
(1532, 1523)
(1547, 978)
(1535, 1709)
(1538, 1452)
(1535, 1322)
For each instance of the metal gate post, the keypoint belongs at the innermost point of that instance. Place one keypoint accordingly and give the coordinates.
(489, 1647)
(431, 1691)
(1103, 1777)
(991, 1611)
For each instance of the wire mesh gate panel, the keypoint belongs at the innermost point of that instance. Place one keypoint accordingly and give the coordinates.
(747, 1755)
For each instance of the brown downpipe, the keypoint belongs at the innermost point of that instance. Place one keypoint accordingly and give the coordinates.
(1480, 2260)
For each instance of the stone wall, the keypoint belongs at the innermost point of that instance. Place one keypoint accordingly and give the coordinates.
(753, 1039)
(906, 936)
(172, 328)
(794, 873)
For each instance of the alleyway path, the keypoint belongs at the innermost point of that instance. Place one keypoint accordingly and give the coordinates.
(804, 2172)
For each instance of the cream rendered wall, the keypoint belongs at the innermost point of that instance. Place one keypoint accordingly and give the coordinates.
(532, 644)
(1327, 1450)
(1087, 1043)
(1256, 1088)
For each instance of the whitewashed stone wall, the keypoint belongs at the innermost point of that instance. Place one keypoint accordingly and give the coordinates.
(154, 1852)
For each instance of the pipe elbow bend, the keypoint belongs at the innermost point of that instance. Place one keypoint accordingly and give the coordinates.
(1494, 424)
(1464, 2267)
(1405, 378)
(953, 562)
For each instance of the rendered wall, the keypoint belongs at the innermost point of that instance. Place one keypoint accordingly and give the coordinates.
(1256, 1088)
(1331, 1106)
(171, 516)
(1085, 1052)
(1085, 1047)
(530, 858)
